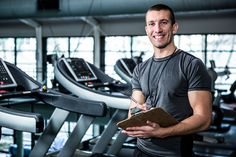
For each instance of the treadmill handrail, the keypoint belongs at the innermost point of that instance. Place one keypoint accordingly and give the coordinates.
(16, 94)
(73, 104)
(122, 74)
(21, 120)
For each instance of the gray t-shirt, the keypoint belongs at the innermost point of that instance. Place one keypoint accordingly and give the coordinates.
(165, 83)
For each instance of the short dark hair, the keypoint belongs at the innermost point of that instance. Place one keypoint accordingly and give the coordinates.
(159, 7)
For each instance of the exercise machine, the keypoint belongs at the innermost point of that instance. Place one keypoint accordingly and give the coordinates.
(86, 81)
(17, 84)
(124, 68)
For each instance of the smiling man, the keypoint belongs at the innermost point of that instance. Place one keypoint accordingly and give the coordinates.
(174, 80)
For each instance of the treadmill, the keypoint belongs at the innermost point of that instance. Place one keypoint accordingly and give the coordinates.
(15, 119)
(86, 81)
(17, 84)
(124, 67)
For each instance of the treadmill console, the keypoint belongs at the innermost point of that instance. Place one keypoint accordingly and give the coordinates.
(79, 69)
(128, 64)
(6, 78)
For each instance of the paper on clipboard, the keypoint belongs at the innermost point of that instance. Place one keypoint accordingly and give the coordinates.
(157, 115)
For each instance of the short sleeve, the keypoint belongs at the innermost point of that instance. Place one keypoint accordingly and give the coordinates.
(135, 79)
(197, 75)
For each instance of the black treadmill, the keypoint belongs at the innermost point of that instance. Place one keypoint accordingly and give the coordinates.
(124, 67)
(86, 81)
(17, 84)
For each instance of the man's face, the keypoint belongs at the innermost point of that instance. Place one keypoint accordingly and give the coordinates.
(159, 28)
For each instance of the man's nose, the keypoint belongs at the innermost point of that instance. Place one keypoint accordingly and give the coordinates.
(157, 27)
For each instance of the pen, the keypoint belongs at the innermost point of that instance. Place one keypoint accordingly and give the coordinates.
(135, 110)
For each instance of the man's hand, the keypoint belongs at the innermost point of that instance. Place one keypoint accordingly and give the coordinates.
(146, 131)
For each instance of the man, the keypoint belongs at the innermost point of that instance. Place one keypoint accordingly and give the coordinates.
(175, 81)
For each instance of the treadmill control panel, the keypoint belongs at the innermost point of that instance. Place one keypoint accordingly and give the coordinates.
(6, 78)
(79, 69)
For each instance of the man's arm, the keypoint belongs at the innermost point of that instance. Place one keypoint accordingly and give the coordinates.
(201, 104)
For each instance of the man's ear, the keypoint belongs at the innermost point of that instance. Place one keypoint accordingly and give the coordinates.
(175, 28)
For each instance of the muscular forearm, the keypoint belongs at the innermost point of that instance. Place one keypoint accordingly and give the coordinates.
(190, 125)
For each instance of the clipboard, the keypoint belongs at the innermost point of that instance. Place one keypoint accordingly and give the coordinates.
(157, 115)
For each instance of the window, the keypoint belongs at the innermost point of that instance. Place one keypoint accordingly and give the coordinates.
(26, 55)
(193, 44)
(222, 49)
(141, 44)
(115, 48)
(7, 49)
(82, 48)
(20, 51)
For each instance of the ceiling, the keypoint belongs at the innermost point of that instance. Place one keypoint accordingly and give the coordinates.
(115, 17)
(15, 9)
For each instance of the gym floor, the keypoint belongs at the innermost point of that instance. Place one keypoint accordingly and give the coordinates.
(218, 144)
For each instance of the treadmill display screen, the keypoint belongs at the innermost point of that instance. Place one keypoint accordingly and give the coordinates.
(6, 79)
(80, 69)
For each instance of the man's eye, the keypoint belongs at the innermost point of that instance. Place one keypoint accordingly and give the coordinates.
(151, 24)
(164, 22)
